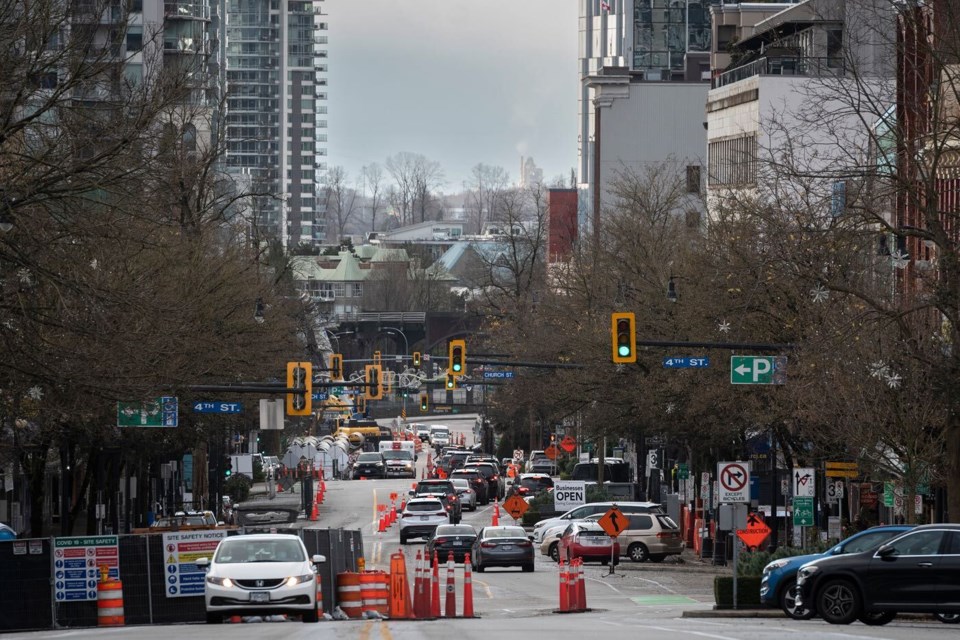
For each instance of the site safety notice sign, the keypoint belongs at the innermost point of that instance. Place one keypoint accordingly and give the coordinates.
(180, 554)
(76, 566)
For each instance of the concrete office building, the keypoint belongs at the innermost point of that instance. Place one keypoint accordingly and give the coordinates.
(276, 114)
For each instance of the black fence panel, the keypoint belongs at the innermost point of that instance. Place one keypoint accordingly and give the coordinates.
(26, 597)
(342, 549)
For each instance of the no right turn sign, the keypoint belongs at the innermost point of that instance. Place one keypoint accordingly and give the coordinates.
(733, 482)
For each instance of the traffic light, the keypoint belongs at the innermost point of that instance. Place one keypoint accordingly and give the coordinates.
(360, 404)
(458, 358)
(623, 337)
(227, 467)
(417, 359)
(336, 366)
(376, 357)
(451, 382)
(300, 376)
(424, 402)
(374, 388)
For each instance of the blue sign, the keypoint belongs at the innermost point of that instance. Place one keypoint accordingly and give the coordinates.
(319, 396)
(497, 375)
(686, 363)
(217, 407)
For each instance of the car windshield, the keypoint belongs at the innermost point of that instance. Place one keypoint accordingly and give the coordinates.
(868, 541)
(536, 483)
(455, 530)
(397, 455)
(244, 549)
(461, 484)
(431, 505)
(506, 532)
(369, 457)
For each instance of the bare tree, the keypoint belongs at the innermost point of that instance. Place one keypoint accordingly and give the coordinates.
(402, 168)
(372, 176)
(341, 199)
(485, 190)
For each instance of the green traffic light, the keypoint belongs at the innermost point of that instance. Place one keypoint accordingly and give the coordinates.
(623, 350)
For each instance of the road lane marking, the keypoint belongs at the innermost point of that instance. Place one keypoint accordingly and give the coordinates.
(365, 630)
(385, 632)
(694, 633)
(486, 587)
(659, 585)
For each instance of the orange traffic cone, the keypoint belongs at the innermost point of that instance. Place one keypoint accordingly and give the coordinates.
(383, 525)
(451, 605)
(418, 590)
(581, 587)
(467, 588)
(393, 514)
(435, 588)
(313, 513)
(496, 513)
(564, 589)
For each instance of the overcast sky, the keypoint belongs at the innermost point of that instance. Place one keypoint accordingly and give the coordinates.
(459, 81)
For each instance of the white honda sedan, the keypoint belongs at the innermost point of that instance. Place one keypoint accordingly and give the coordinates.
(261, 574)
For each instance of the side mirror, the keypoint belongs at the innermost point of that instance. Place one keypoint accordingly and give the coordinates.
(886, 551)
(411, 492)
(203, 563)
(318, 559)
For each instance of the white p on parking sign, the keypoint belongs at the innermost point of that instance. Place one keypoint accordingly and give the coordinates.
(568, 494)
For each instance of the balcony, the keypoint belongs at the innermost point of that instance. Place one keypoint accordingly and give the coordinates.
(185, 10)
(782, 66)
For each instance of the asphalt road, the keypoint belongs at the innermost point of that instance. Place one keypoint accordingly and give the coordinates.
(671, 599)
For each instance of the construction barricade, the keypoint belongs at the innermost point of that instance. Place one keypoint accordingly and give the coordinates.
(109, 601)
(349, 597)
(375, 592)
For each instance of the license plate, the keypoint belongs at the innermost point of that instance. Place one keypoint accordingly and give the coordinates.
(456, 543)
(506, 546)
(424, 517)
(260, 596)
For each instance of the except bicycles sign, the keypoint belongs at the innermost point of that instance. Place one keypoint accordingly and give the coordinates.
(733, 482)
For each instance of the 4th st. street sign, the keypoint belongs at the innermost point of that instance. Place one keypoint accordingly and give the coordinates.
(206, 406)
(758, 369)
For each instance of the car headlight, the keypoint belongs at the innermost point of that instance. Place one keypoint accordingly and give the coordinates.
(807, 572)
(776, 564)
(293, 581)
(223, 582)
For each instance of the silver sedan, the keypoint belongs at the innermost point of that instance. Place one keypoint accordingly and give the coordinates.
(468, 497)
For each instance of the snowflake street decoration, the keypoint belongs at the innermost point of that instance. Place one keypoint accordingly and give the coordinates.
(820, 293)
(671, 407)
(94, 264)
(723, 326)
(35, 393)
(24, 275)
(900, 259)
(894, 380)
(878, 369)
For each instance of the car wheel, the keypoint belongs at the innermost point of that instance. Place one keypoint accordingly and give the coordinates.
(478, 568)
(638, 552)
(838, 602)
(311, 616)
(528, 568)
(947, 618)
(214, 618)
(403, 538)
(877, 618)
(788, 602)
(555, 552)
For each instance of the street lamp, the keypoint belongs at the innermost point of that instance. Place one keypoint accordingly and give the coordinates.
(406, 344)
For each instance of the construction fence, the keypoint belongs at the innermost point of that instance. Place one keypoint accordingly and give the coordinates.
(35, 594)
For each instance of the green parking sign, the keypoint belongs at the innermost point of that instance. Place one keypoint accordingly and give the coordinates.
(758, 369)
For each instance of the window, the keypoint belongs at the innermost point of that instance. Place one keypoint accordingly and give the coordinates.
(357, 290)
(693, 179)
(134, 39)
(733, 161)
(340, 289)
(921, 543)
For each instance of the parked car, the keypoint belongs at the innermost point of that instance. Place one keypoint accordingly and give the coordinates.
(591, 508)
(260, 574)
(445, 490)
(421, 516)
(588, 541)
(468, 497)
(369, 464)
(650, 536)
(7, 532)
(451, 538)
(477, 482)
(502, 546)
(778, 587)
(917, 571)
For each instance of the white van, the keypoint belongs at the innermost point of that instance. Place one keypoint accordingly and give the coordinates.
(439, 435)
(399, 445)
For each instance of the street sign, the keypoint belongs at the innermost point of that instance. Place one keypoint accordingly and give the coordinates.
(686, 363)
(803, 482)
(613, 522)
(758, 369)
(888, 494)
(842, 470)
(498, 375)
(803, 512)
(516, 506)
(568, 494)
(319, 396)
(205, 406)
(159, 412)
(734, 482)
(551, 452)
(755, 533)
(568, 444)
(834, 490)
(683, 471)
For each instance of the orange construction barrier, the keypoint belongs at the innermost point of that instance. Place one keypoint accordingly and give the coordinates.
(564, 589)
(435, 588)
(419, 591)
(348, 594)
(451, 604)
(467, 588)
(398, 589)
(375, 591)
(109, 601)
(496, 513)
(581, 587)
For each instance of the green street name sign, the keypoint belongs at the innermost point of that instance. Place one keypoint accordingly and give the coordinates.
(803, 512)
(758, 369)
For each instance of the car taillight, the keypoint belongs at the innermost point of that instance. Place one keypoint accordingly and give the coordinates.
(441, 541)
(523, 490)
(449, 507)
(525, 543)
(487, 545)
(665, 534)
(576, 539)
(494, 477)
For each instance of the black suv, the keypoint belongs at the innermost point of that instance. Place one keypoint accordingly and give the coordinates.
(477, 482)
(369, 464)
(447, 492)
(496, 486)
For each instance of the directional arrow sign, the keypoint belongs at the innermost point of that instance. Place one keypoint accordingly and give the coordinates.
(733, 482)
(758, 369)
(613, 522)
(803, 483)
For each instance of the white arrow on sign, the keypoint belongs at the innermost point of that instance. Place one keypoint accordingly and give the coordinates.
(761, 366)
